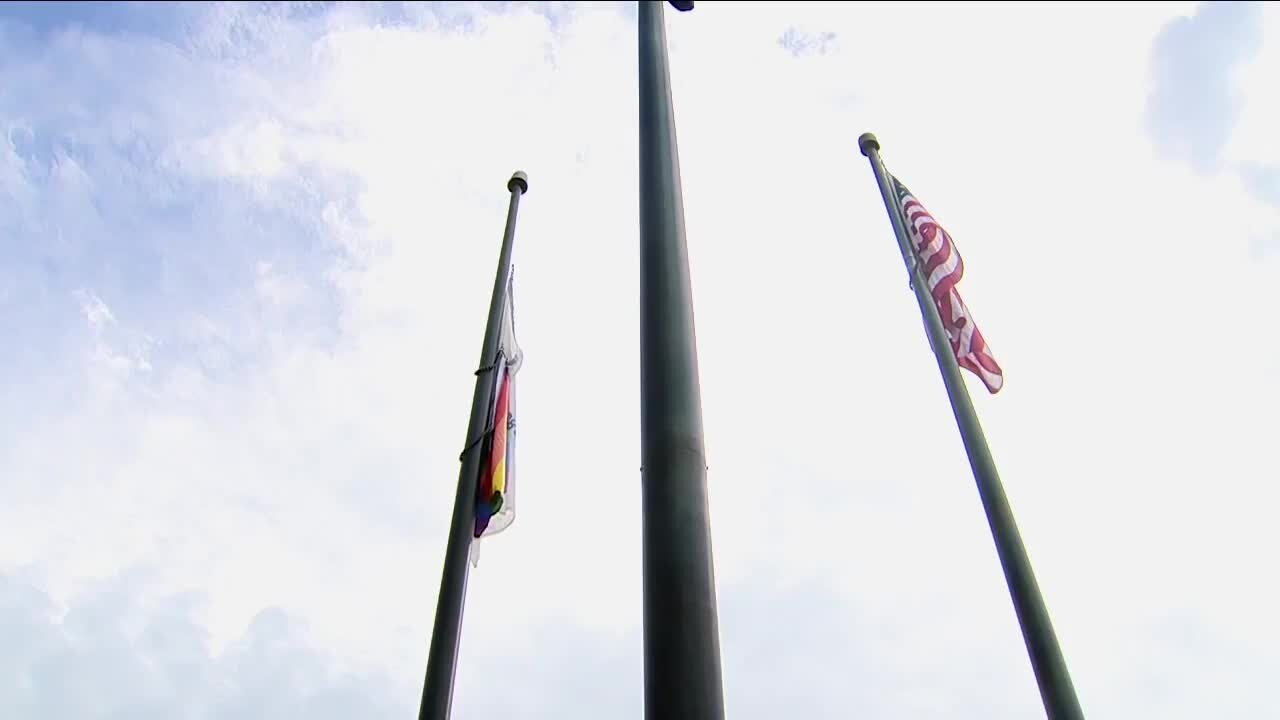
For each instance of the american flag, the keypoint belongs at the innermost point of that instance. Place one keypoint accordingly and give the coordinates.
(942, 269)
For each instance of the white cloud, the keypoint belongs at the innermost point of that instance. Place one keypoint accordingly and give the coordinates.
(354, 173)
(95, 311)
(1250, 142)
(123, 649)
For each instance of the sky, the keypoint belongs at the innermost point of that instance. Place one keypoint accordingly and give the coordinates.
(245, 256)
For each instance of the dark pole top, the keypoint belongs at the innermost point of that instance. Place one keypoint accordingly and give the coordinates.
(682, 5)
(868, 142)
(518, 180)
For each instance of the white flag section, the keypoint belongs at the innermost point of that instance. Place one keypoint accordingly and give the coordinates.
(495, 496)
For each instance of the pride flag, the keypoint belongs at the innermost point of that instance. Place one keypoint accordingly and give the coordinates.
(495, 491)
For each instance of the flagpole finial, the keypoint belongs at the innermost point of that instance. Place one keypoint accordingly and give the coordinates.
(682, 5)
(868, 142)
(518, 180)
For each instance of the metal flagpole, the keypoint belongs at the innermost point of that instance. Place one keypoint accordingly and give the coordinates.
(1056, 689)
(681, 637)
(437, 688)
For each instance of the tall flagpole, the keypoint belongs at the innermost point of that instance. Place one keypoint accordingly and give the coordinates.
(681, 638)
(437, 688)
(1056, 690)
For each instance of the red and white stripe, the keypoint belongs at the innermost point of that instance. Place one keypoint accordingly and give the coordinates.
(942, 268)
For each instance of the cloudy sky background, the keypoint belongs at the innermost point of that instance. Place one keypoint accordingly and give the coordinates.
(245, 255)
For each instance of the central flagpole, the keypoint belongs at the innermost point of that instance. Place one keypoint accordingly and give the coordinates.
(1056, 690)
(681, 638)
(437, 688)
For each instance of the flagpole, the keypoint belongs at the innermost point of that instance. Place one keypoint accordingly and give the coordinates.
(681, 637)
(1056, 690)
(437, 688)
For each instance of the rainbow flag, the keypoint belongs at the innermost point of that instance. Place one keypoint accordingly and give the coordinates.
(495, 492)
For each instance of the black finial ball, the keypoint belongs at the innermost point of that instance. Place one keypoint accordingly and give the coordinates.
(682, 5)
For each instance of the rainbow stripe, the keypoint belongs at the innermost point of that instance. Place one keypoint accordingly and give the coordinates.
(493, 480)
(495, 484)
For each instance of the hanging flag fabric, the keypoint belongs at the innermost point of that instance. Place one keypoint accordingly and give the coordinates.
(942, 268)
(495, 493)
